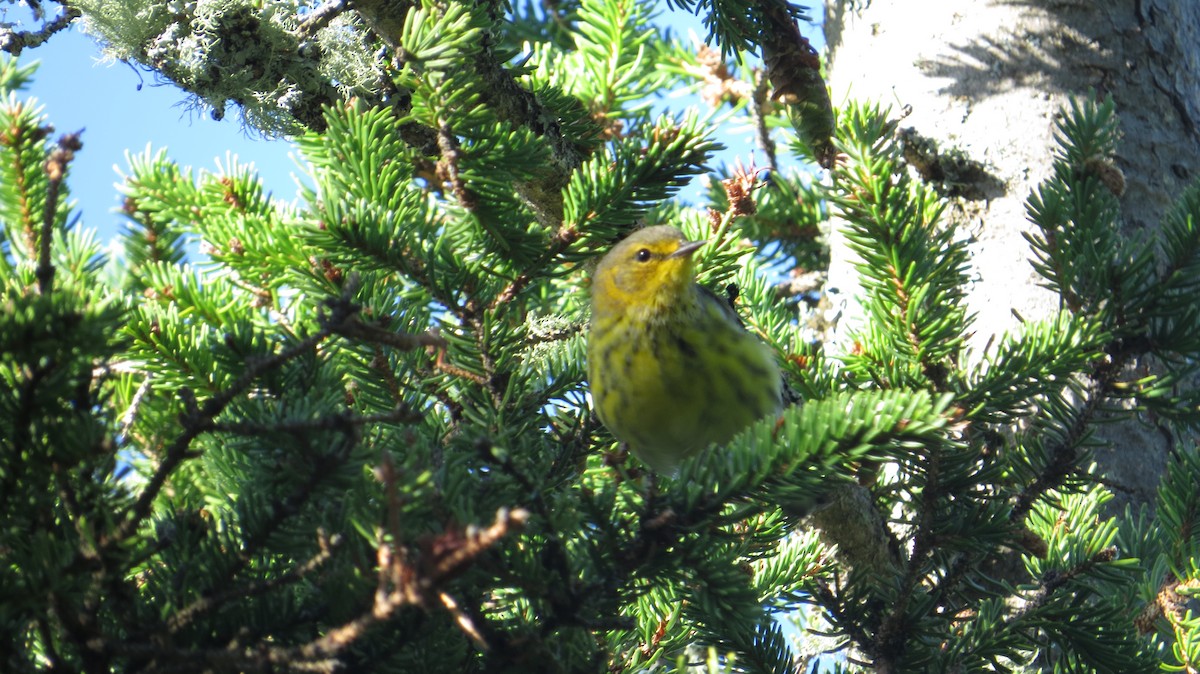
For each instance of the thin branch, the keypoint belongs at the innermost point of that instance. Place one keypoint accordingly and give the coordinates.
(758, 115)
(447, 554)
(323, 465)
(1055, 581)
(889, 642)
(135, 403)
(443, 365)
(334, 422)
(352, 328)
(15, 41)
(559, 243)
(411, 585)
(448, 169)
(838, 616)
(463, 621)
(184, 617)
(319, 18)
(1062, 456)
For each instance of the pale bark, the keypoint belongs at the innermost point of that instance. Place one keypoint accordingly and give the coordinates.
(987, 77)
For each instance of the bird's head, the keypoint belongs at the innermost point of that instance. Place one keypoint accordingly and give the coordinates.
(645, 272)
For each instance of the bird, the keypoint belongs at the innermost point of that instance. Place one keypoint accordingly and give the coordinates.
(671, 368)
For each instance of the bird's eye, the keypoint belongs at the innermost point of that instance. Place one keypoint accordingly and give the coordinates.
(643, 255)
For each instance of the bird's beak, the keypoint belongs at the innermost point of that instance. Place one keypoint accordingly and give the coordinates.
(686, 249)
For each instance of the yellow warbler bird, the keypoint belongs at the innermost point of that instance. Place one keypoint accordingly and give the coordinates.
(671, 368)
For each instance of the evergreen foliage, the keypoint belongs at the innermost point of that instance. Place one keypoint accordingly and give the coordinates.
(352, 433)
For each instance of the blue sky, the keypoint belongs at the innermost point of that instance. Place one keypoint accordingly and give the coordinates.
(104, 100)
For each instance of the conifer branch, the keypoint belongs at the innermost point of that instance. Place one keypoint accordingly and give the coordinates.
(23, 179)
(197, 420)
(840, 615)
(1056, 581)
(503, 94)
(514, 104)
(1064, 454)
(26, 407)
(568, 597)
(609, 569)
(342, 421)
(402, 584)
(323, 465)
(185, 616)
(794, 67)
(385, 19)
(889, 643)
(563, 237)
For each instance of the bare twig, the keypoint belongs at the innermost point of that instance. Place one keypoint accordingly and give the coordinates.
(446, 555)
(443, 365)
(319, 18)
(463, 620)
(352, 328)
(130, 414)
(184, 617)
(758, 114)
(334, 422)
(405, 580)
(15, 41)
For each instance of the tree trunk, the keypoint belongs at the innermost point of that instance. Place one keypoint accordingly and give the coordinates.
(986, 77)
